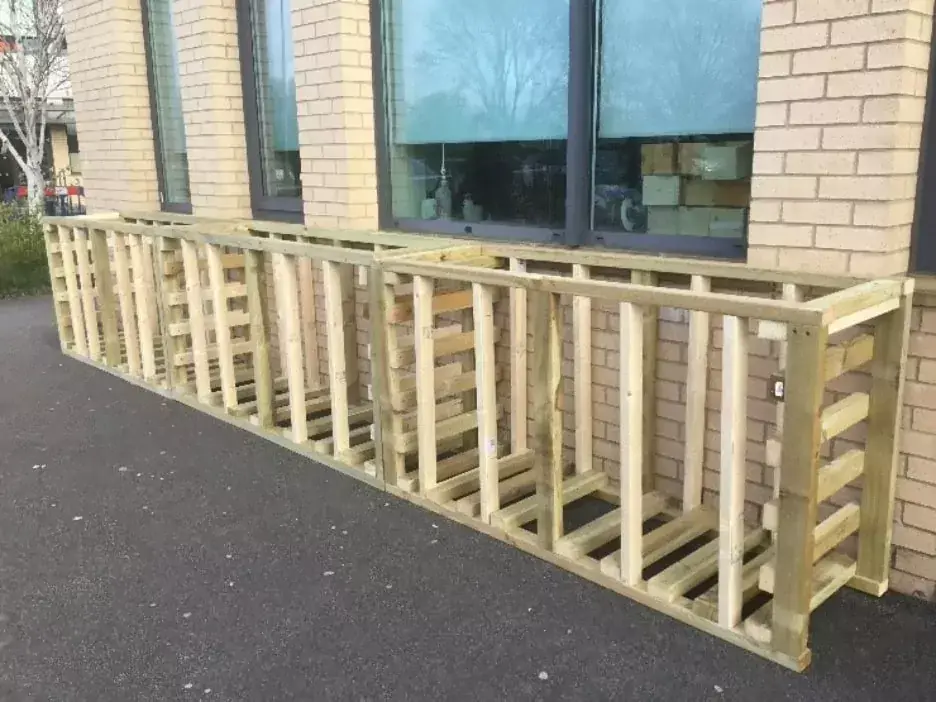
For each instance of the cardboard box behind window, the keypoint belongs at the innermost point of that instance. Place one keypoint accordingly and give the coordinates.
(662, 190)
(659, 159)
(716, 193)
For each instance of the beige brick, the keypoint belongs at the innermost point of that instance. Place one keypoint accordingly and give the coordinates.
(813, 260)
(781, 235)
(775, 65)
(888, 81)
(899, 53)
(853, 238)
(923, 469)
(765, 211)
(786, 139)
(894, 109)
(831, 60)
(884, 214)
(883, 188)
(765, 257)
(888, 162)
(820, 162)
(873, 28)
(787, 89)
(784, 187)
(812, 10)
(852, 138)
(817, 212)
(767, 163)
(777, 14)
(875, 265)
(915, 539)
(771, 115)
(825, 112)
(794, 37)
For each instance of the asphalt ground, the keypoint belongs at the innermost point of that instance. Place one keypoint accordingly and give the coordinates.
(151, 552)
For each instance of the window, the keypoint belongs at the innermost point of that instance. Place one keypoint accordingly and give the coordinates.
(611, 122)
(270, 108)
(162, 57)
(74, 153)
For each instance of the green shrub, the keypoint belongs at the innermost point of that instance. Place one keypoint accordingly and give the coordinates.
(23, 265)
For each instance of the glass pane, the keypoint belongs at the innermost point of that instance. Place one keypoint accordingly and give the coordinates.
(164, 54)
(677, 91)
(276, 96)
(477, 108)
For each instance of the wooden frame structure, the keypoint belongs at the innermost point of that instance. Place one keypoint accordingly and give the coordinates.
(476, 380)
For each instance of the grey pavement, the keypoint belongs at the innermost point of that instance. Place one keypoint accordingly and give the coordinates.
(151, 552)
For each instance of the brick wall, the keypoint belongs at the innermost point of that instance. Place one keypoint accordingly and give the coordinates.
(213, 107)
(112, 109)
(840, 106)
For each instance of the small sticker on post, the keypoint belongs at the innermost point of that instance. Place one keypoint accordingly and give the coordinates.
(491, 447)
(777, 387)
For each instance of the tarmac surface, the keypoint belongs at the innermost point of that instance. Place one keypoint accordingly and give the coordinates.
(151, 552)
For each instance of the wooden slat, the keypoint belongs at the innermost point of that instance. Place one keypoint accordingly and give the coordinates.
(573, 488)
(696, 388)
(337, 353)
(448, 341)
(651, 314)
(508, 490)
(87, 293)
(309, 323)
(607, 528)
(222, 326)
(425, 382)
(486, 372)
(104, 283)
(848, 355)
(287, 305)
(74, 297)
(231, 291)
(518, 362)
(402, 311)
(184, 327)
(57, 280)
(176, 377)
(259, 336)
(356, 437)
(632, 438)
(237, 348)
(196, 322)
(732, 473)
(142, 294)
(831, 532)
(408, 442)
(888, 375)
(845, 308)
(446, 384)
(700, 565)
(844, 414)
(125, 299)
(582, 374)
(706, 604)
(798, 484)
(468, 482)
(666, 539)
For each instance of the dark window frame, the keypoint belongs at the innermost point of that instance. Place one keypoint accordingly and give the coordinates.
(263, 206)
(164, 204)
(584, 39)
(923, 234)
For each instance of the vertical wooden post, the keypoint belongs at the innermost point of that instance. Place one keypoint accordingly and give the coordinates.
(632, 440)
(805, 384)
(486, 384)
(384, 436)
(888, 372)
(222, 325)
(71, 285)
(259, 335)
(791, 293)
(309, 323)
(582, 382)
(547, 416)
(105, 289)
(337, 354)
(87, 293)
(171, 281)
(290, 334)
(125, 297)
(650, 336)
(349, 316)
(731, 493)
(196, 307)
(425, 381)
(696, 388)
(518, 362)
(59, 288)
(143, 294)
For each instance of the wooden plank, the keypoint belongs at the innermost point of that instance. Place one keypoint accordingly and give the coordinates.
(651, 314)
(546, 377)
(222, 327)
(391, 465)
(356, 437)
(425, 382)
(582, 374)
(57, 280)
(774, 448)
(176, 377)
(732, 473)
(848, 355)
(104, 283)
(573, 488)
(87, 293)
(831, 532)
(402, 311)
(888, 374)
(74, 297)
(666, 539)
(700, 565)
(257, 309)
(486, 372)
(706, 604)
(696, 389)
(510, 489)
(632, 440)
(408, 442)
(518, 362)
(142, 295)
(607, 528)
(468, 482)
(441, 375)
(184, 327)
(196, 310)
(125, 298)
(238, 348)
(445, 385)
(287, 305)
(448, 341)
(845, 308)
(309, 323)
(337, 353)
(231, 290)
(844, 414)
(798, 487)
(771, 331)
(349, 312)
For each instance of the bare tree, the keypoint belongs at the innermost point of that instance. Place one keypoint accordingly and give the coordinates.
(32, 69)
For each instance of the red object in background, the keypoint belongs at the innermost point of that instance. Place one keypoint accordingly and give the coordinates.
(21, 191)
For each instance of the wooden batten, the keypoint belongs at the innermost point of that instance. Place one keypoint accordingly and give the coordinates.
(128, 320)
(696, 387)
(518, 362)
(422, 306)
(632, 441)
(82, 253)
(582, 382)
(486, 385)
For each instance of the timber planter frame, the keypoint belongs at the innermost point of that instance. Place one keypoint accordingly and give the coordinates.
(467, 355)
